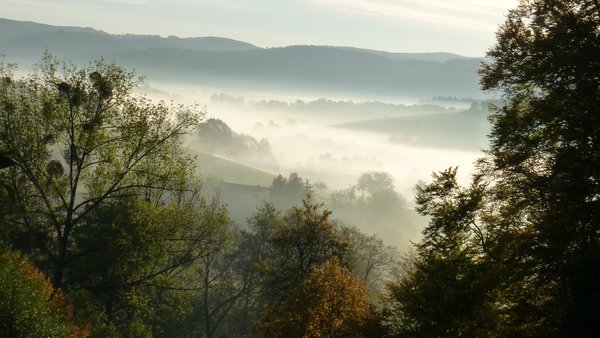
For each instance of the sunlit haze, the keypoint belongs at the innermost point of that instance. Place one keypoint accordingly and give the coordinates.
(464, 27)
(328, 114)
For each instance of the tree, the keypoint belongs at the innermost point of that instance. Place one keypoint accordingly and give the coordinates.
(102, 195)
(82, 140)
(29, 305)
(373, 182)
(373, 262)
(302, 241)
(380, 194)
(373, 204)
(544, 164)
(225, 279)
(343, 198)
(330, 302)
(533, 208)
(288, 192)
(141, 259)
(447, 292)
(215, 135)
(255, 253)
(278, 187)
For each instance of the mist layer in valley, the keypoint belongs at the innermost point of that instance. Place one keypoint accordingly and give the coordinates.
(355, 128)
(331, 145)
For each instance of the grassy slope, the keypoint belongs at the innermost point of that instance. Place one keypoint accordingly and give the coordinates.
(465, 130)
(231, 172)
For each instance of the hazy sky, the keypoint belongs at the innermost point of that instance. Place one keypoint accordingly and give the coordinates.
(461, 26)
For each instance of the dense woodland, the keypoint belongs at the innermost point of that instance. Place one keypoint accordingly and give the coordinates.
(105, 229)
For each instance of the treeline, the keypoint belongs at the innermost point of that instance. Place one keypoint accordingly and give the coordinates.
(372, 203)
(344, 110)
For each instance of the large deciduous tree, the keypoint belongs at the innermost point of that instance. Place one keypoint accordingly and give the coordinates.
(304, 239)
(536, 225)
(544, 162)
(330, 302)
(447, 290)
(83, 142)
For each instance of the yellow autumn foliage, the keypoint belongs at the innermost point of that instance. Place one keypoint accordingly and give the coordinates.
(329, 303)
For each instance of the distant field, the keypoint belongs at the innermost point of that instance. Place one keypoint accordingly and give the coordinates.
(465, 130)
(231, 172)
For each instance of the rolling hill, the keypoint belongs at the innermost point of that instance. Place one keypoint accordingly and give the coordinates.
(231, 172)
(464, 130)
(227, 62)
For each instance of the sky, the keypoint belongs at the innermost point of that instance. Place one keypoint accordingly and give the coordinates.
(464, 27)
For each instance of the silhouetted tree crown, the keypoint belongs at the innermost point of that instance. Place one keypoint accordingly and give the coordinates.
(529, 244)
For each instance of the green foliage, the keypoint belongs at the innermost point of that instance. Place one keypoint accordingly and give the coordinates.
(145, 259)
(81, 139)
(102, 195)
(223, 277)
(288, 192)
(256, 253)
(519, 249)
(5, 160)
(305, 286)
(136, 329)
(447, 291)
(305, 238)
(29, 305)
(545, 165)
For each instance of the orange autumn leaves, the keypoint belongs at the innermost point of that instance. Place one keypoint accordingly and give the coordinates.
(330, 302)
(29, 305)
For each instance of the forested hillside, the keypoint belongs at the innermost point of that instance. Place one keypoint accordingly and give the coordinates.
(230, 63)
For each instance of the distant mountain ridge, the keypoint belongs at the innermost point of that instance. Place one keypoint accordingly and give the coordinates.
(432, 56)
(227, 62)
(32, 35)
